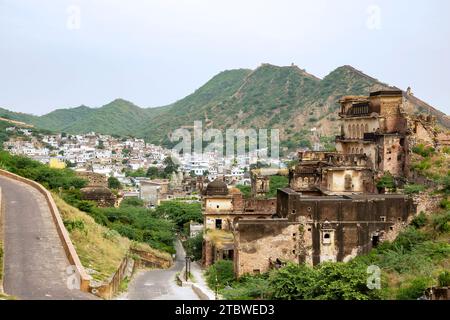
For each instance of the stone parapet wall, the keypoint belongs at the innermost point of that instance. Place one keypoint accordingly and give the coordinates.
(149, 260)
(108, 289)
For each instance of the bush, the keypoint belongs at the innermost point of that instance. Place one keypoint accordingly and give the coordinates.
(248, 288)
(420, 221)
(194, 246)
(246, 191)
(414, 290)
(132, 202)
(328, 281)
(114, 183)
(386, 182)
(444, 279)
(293, 282)
(423, 151)
(410, 238)
(414, 188)
(445, 204)
(72, 225)
(221, 274)
(441, 222)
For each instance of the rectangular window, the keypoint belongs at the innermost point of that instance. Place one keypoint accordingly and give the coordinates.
(218, 223)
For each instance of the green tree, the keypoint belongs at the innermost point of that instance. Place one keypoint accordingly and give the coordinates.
(170, 167)
(114, 183)
(153, 173)
(386, 182)
(293, 282)
(194, 246)
(221, 274)
(180, 212)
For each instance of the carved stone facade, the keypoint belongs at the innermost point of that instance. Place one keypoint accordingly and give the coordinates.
(332, 210)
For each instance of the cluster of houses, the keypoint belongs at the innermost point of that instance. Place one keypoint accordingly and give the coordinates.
(96, 155)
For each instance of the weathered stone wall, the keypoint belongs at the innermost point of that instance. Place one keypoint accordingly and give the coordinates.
(260, 206)
(149, 260)
(339, 228)
(94, 179)
(258, 243)
(108, 289)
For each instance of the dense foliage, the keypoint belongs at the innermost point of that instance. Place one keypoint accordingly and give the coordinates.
(130, 220)
(114, 183)
(220, 274)
(245, 190)
(194, 246)
(386, 182)
(34, 170)
(277, 182)
(180, 212)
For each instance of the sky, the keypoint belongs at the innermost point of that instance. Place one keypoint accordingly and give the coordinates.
(61, 54)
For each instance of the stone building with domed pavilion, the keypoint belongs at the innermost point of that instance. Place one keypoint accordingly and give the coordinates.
(222, 207)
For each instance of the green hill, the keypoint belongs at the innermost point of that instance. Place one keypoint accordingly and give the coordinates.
(270, 96)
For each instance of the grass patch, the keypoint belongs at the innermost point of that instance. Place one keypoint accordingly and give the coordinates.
(98, 247)
(140, 246)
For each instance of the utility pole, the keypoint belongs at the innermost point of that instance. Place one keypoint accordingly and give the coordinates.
(186, 268)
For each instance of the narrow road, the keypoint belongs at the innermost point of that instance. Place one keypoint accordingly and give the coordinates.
(35, 261)
(160, 284)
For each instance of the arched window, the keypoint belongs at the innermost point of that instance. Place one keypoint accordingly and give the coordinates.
(366, 129)
(361, 151)
(353, 132)
(349, 132)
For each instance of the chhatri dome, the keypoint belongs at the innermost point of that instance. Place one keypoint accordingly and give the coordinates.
(217, 188)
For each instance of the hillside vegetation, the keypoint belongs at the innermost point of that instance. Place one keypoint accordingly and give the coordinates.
(100, 249)
(287, 98)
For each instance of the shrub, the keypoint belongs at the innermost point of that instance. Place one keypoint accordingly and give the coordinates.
(293, 282)
(444, 279)
(132, 202)
(414, 188)
(386, 181)
(114, 183)
(414, 290)
(445, 204)
(221, 274)
(410, 238)
(420, 221)
(72, 225)
(246, 191)
(423, 150)
(248, 288)
(194, 246)
(441, 222)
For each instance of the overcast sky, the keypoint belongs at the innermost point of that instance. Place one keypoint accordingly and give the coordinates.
(59, 54)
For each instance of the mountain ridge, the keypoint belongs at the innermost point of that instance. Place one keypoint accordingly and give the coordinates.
(270, 96)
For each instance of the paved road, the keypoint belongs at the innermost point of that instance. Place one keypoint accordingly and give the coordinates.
(35, 261)
(160, 284)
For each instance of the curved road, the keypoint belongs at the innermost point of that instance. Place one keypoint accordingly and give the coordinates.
(160, 284)
(35, 261)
